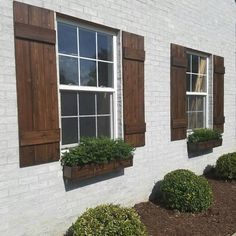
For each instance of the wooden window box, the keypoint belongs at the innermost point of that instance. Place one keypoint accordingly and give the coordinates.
(92, 170)
(203, 146)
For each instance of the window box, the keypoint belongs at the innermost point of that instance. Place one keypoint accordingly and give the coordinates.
(92, 170)
(205, 145)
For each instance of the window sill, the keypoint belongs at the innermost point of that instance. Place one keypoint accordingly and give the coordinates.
(204, 146)
(92, 170)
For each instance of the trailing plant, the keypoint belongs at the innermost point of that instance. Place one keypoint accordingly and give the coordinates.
(183, 190)
(201, 135)
(226, 166)
(110, 220)
(97, 151)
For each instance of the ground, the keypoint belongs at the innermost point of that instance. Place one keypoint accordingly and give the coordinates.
(219, 220)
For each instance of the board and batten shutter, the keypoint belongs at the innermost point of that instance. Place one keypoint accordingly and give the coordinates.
(37, 94)
(178, 92)
(133, 89)
(218, 93)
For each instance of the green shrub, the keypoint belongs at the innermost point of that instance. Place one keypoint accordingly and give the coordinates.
(200, 135)
(108, 220)
(185, 191)
(226, 166)
(96, 150)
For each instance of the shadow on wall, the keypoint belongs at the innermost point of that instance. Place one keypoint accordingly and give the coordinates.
(155, 195)
(74, 184)
(200, 153)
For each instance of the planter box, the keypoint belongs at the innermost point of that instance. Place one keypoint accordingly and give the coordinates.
(203, 146)
(88, 171)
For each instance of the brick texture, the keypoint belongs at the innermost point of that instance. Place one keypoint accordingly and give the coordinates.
(36, 200)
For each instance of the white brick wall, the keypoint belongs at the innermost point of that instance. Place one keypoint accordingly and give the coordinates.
(35, 200)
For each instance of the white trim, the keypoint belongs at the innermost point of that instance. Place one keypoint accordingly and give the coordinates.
(87, 88)
(114, 98)
(205, 95)
(58, 81)
(112, 91)
(86, 26)
(197, 93)
(191, 73)
(84, 58)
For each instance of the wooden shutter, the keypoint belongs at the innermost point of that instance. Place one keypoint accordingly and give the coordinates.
(218, 93)
(133, 89)
(178, 92)
(35, 38)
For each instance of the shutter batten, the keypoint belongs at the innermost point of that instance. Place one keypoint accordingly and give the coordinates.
(133, 89)
(36, 78)
(178, 92)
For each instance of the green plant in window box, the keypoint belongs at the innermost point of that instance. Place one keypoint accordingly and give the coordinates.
(204, 139)
(96, 156)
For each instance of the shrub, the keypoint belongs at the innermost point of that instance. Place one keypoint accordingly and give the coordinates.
(108, 220)
(226, 166)
(96, 150)
(185, 191)
(201, 135)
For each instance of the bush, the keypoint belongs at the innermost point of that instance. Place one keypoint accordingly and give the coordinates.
(97, 151)
(226, 166)
(185, 191)
(201, 135)
(108, 220)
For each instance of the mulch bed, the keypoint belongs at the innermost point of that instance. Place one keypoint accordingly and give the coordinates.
(219, 220)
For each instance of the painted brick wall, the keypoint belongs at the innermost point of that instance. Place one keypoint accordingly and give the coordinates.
(35, 200)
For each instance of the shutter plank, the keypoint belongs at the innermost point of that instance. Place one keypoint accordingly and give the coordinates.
(218, 93)
(178, 92)
(133, 88)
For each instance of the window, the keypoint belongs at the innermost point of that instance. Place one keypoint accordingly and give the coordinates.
(87, 82)
(197, 90)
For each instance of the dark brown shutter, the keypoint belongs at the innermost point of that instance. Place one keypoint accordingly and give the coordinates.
(218, 93)
(35, 37)
(178, 92)
(133, 89)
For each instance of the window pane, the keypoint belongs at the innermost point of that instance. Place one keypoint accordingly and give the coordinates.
(105, 47)
(105, 74)
(196, 103)
(188, 78)
(69, 130)
(87, 43)
(67, 39)
(68, 70)
(192, 120)
(200, 120)
(103, 103)
(202, 65)
(198, 83)
(189, 62)
(88, 73)
(68, 104)
(194, 64)
(87, 127)
(104, 126)
(87, 103)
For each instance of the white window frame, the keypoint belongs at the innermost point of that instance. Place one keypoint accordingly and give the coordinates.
(78, 88)
(206, 94)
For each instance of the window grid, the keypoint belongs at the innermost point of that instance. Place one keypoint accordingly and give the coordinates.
(111, 91)
(197, 94)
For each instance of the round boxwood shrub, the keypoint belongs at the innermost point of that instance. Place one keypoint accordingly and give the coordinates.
(226, 166)
(108, 220)
(185, 191)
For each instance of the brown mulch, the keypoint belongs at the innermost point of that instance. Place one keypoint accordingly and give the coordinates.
(219, 220)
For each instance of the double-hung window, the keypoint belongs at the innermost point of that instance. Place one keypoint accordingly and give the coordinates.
(197, 90)
(87, 62)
